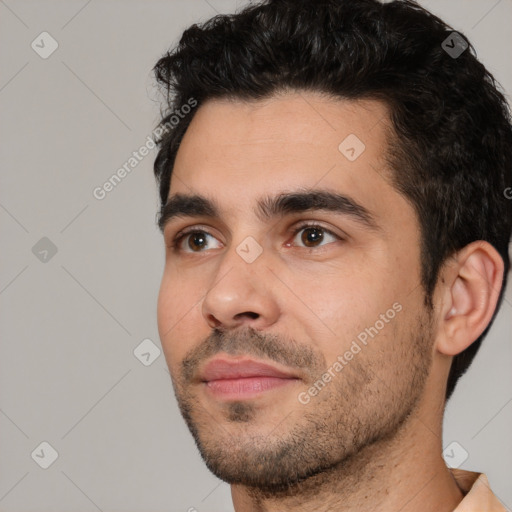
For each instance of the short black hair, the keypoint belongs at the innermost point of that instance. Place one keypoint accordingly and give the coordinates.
(451, 146)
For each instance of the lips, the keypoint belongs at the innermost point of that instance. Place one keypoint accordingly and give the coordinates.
(223, 368)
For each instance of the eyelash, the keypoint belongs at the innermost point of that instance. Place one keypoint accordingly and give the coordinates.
(198, 229)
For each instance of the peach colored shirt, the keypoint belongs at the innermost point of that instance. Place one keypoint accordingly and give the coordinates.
(478, 496)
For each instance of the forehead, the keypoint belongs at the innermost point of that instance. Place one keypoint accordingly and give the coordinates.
(238, 151)
(288, 126)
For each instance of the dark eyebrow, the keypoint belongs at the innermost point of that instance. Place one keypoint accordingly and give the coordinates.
(181, 205)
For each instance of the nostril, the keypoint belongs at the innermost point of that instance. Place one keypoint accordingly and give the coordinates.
(250, 314)
(216, 323)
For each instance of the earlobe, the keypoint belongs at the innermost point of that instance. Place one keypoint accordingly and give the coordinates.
(472, 286)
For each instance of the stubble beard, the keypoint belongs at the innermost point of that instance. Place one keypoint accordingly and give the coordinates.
(337, 433)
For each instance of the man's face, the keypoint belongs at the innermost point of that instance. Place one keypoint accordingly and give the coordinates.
(300, 298)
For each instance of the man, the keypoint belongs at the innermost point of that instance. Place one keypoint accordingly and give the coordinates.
(333, 178)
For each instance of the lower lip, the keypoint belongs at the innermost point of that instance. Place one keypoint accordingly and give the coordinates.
(245, 387)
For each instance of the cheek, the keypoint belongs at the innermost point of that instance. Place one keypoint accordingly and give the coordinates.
(174, 314)
(176, 297)
(334, 295)
(337, 304)
(164, 307)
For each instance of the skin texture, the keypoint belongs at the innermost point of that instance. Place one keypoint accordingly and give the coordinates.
(371, 438)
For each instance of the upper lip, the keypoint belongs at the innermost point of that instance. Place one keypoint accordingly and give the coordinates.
(224, 368)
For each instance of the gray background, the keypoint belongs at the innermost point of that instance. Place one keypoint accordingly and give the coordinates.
(69, 325)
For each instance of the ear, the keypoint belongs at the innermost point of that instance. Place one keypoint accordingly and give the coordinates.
(470, 286)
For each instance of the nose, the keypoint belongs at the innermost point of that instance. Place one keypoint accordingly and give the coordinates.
(241, 294)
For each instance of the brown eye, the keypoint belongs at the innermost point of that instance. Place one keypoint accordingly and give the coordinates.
(313, 236)
(194, 241)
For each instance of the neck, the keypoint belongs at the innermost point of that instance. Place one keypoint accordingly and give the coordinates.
(405, 473)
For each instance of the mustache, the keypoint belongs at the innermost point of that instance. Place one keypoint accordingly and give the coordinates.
(280, 349)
